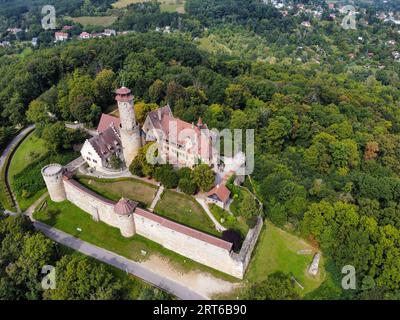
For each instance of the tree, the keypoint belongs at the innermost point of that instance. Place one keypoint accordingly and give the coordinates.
(248, 206)
(277, 286)
(142, 109)
(371, 150)
(140, 166)
(38, 112)
(115, 162)
(167, 176)
(80, 279)
(57, 137)
(187, 186)
(277, 132)
(81, 97)
(204, 177)
(103, 87)
(236, 96)
(156, 91)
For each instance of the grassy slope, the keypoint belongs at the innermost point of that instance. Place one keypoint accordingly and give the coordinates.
(166, 5)
(130, 188)
(184, 209)
(104, 21)
(276, 250)
(31, 149)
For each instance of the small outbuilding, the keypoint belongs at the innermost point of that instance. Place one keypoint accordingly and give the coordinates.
(219, 195)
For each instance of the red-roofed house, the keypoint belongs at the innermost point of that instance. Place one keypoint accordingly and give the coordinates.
(98, 150)
(84, 35)
(106, 121)
(219, 195)
(61, 36)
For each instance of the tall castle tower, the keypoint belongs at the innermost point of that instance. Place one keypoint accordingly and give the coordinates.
(53, 177)
(130, 130)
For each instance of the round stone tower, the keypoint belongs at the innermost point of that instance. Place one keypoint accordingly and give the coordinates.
(53, 177)
(124, 210)
(129, 130)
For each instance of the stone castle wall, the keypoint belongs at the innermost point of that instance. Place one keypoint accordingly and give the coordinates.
(195, 245)
(214, 254)
(99, 208)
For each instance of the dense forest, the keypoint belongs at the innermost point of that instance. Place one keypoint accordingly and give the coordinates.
(25, 251)
(327, 126)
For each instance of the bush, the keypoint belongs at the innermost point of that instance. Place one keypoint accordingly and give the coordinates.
(167, 176)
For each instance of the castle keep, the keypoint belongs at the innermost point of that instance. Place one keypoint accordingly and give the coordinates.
(130, 220)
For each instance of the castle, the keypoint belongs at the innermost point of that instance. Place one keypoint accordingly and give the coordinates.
(179, 142)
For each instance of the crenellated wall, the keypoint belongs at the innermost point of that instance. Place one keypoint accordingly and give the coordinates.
(195, 245)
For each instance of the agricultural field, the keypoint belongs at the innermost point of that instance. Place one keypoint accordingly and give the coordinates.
(104, 21)
(166, 5)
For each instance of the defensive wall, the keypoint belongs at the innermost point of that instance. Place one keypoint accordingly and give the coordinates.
(193, 244)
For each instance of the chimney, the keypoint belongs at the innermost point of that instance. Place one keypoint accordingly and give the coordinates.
(159, 114)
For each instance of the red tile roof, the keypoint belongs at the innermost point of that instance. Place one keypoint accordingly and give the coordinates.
(123, 91)
(199, 134)
(106, 143)
(221, 191)
(185, 230)
(106, 121)
(125, 206)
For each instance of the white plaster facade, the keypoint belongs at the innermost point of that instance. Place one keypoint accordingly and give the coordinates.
(91, 157)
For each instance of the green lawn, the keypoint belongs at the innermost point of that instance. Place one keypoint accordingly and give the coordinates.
(130, 188)
(184, 209)
(67, 217)
(31, 149)
(104, 21)
(276, 250)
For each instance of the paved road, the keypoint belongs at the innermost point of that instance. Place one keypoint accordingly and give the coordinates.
(119, 262)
